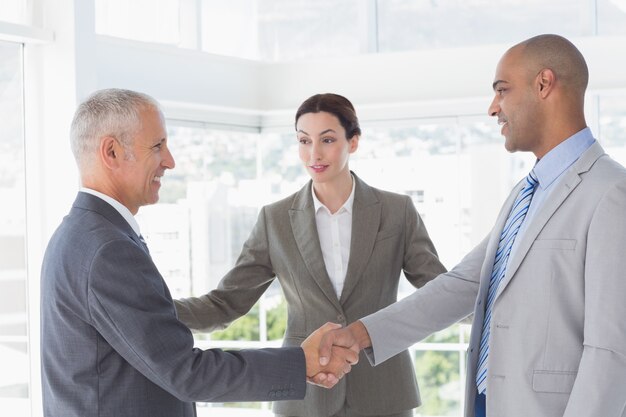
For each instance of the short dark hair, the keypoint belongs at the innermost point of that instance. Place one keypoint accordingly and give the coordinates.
(337, 105)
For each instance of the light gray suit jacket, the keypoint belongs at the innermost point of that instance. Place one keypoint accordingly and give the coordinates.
(110, 340)
(388, 236)
(558, 327)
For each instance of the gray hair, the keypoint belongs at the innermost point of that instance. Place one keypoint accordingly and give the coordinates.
(111, 112)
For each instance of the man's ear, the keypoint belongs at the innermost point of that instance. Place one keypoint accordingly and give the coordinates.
(545, 82)
(110, 152)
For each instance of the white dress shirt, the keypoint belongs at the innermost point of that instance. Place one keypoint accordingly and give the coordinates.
(122, 209)
(335, 233)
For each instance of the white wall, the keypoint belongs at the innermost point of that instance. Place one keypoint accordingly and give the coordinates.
(200, 86)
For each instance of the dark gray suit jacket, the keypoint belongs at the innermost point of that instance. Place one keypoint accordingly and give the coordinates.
(110, 340)
(388, 237)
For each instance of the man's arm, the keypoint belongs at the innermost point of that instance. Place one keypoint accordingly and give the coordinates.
(130, 307)
(443, 301)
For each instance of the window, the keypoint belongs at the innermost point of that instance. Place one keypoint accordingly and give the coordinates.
(421, 24)
(143, 20)
(222, 178)
(14, 356)
(279, 30)
(13, 11)
(611, 16)
(612, 135)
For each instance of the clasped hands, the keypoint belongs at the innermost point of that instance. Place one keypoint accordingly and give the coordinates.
(330, 352)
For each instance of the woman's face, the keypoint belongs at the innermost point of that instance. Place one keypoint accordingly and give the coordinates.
(324, 148)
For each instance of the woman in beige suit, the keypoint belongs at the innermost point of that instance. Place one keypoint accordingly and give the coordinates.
(337, 247)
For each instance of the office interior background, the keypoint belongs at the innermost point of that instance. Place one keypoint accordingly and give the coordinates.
(230, 75)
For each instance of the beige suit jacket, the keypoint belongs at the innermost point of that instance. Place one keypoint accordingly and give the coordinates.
(558, 328)
(388, 236)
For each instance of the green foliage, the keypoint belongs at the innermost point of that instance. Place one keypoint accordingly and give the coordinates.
(244, 328)
(277, 321)
(436, 371)
(438, 376)
(247, 327)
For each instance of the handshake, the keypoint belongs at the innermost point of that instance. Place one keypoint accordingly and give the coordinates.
(331, 350)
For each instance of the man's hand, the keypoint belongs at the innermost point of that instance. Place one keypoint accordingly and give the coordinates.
(354, 337)
(340, 362)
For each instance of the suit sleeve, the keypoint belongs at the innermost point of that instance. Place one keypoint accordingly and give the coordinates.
(131, 308)
(599, 386)
(438, 304)
(421, 263)
(238, 291)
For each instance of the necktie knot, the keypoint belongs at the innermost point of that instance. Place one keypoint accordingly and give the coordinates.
(532, 179)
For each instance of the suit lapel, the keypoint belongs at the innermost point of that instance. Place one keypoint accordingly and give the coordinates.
(304, 228)
(366, 212)
(550, 206)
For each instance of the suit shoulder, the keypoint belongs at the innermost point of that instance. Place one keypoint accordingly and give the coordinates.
(85, 232)
(390, 198)
(281, 206)
(607, 171)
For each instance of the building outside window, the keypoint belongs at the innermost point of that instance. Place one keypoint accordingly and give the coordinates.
(14, 359)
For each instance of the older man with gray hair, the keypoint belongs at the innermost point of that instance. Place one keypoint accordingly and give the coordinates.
(111, 342)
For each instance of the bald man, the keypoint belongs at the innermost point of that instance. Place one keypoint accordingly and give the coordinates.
(547, 285)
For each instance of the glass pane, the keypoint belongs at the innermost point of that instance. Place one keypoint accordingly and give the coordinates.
(612, 133)
(296, 29)
(143, 20)
(422, 162)
(14, 361)
(438, 376)
(211, 201)
(230, 28)
(611, 17)
(13, 11)
(421, 24)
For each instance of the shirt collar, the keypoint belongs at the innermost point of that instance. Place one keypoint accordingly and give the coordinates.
(562, 156)
(347, 206)
(122, 209)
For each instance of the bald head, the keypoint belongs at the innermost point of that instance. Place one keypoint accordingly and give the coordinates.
(558, 54)
(540, 93)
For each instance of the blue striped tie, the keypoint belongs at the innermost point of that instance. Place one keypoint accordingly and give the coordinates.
(507, 237)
